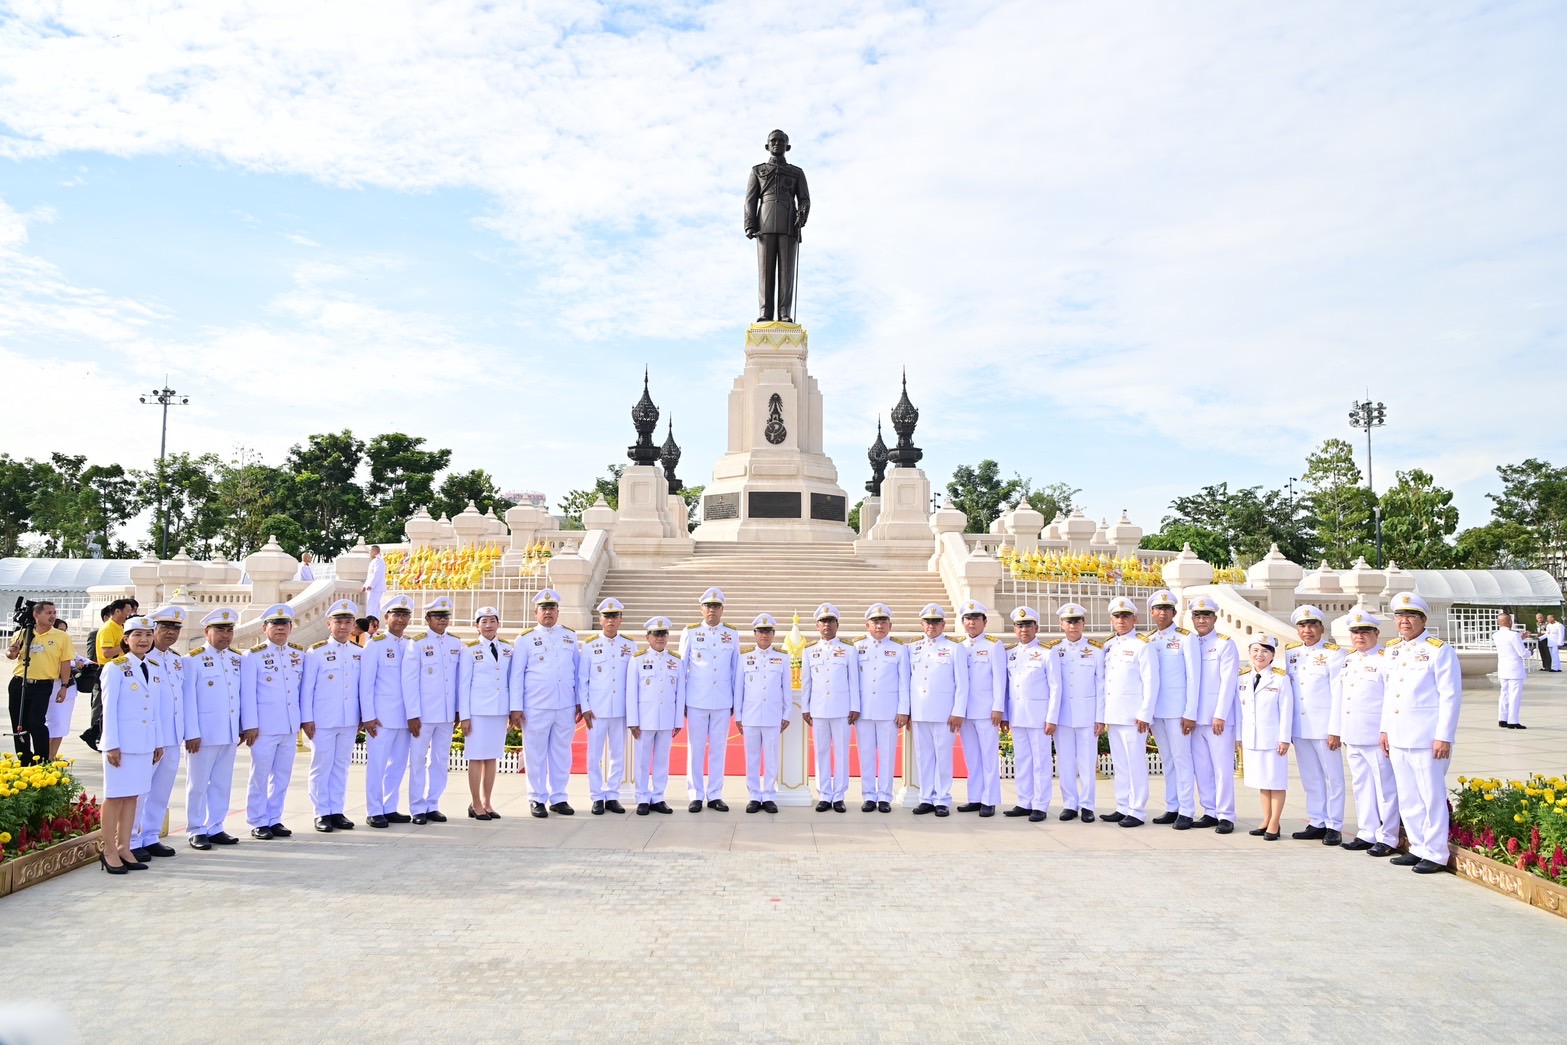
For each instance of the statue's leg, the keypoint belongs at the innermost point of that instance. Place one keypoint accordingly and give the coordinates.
(787, 248)
(766, 269)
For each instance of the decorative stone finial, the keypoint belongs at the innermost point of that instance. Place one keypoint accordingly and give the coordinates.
(904, 418)
(669, 453)
(877, 455)
(644, 417)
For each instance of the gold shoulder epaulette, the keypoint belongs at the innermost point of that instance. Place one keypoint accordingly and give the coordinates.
(198, 651)
(154, 663)
(523, 632)
(1094, 643)
(1433, 640)
(470, 642)
(1182, 631)
(1393, 642)
(295, 645)
(1053, 643)
(1330, 645)
(1225, 637)
(1147, 637)
(898, 641)
(1278, 671)
(258, 647)
(1246, 670)
(416, 636)
(808, 645)
(747, 649)
(315, 645)
(589, 637)
(121, 660)
(1293, 645)
(378, 636)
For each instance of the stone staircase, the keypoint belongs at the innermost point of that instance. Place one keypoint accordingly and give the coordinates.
(777, 579)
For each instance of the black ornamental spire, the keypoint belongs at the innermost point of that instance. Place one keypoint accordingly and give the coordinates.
(644, 416)
(904, 418)
(877, 455)
(669, 453)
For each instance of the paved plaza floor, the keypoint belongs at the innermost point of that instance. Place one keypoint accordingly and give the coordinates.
(800, 926)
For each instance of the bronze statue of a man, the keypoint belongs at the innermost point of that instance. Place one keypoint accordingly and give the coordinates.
(777, 203)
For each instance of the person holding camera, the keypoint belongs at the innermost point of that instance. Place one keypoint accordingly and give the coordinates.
(43, 654)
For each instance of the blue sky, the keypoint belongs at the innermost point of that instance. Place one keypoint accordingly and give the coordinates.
(1138, 251)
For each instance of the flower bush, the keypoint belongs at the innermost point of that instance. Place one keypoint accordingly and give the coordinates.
(447, 569)
(41, 805)
(1518, 822)
(1081, 567)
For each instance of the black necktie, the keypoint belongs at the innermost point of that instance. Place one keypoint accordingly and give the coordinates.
(495, 652)
(1256, 681)
(145, 677)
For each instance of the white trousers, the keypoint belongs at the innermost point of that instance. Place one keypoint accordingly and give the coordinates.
(154, 805)
(1506, 707)
(386, 760)
(546, 739)
(209, 782)
(1376, 793)
(653, 765)
(1422, 800)
(1213, 766)
(1032, 767)
(832, 758)
(607, 736)
(330, 752)
(933, 755)
(1175, 753)
(1077, 767)
(429, 758)
(1129, 755)
(707, 745)
(1322, 778)
(761, 763)
(878, 741)
(271, 765)
(982, 756)
(373, 599)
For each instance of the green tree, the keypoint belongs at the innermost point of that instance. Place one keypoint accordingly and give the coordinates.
(981, 493)
(22, 482)
(248, 493)
(402, 480)
(854, 515)
(1417, 518)
(1209, 546)
(186, 485)
(1498, 545)
(1534, 496)
(459, 488)
(693, 498)
(322, 494)
(1340, 504)
(1247, 521)
(1052, 500)
(578, 501)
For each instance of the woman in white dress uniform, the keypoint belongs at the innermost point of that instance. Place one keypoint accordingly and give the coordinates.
(1267, 717)
(134, 700)
(485, 707)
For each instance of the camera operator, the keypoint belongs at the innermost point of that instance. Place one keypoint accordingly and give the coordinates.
(44, 654)
(105, 643)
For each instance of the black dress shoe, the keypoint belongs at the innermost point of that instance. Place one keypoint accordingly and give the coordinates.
(987, 811)
(662, 807)
(279, 831)
(92, 742)
(1270, 836)
(719, 804)
(436, 816)
(1515, 725)
(769, 807)
(969, 807)
(1380, 850)
(1205, 821)
(399, 818)
(134, 866)
(263, 833)
(103, 862)
(1131, 821)
(223, 838)
(1066, 814)
(823, 806)
(695, 806)
(1429, 867)
(494, 815)
(867, 806)
(753, 806)
(1357, 845)
(613, 805)
(1257, 832)
(1038, 816)
(1167, 817)
(942, 811)
(159, 849)
(598, 807)
(324, 824)
(472, 815)
(839, 807)
(538, 811)
(342, 822)
(1017, 811)
(1332, 837)
(200, 842)
(1502, 722)
(923, 808)
(378, 821)
(883, 807)
(1113, 818)
(1086, 815)
(563, 809)
(141, 854)
(1309, 833)
(1405, 860)
(1225, 827)
(420, 819)
(1183, 823)
(643, 809)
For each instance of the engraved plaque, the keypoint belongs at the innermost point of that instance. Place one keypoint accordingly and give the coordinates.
(720, 506)
(829, 507)
(763, 505)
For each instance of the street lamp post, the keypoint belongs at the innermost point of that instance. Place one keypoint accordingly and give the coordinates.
(164, 397)
(1368, 415)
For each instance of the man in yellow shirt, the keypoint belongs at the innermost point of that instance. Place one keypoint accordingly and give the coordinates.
(40, 664)
(105, 642)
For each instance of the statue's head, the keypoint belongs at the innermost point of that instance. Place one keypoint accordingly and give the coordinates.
(777, 143)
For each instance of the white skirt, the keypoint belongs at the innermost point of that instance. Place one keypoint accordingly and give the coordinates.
(131, 779)
(59, 717)
(488, 738)
(1266, 769)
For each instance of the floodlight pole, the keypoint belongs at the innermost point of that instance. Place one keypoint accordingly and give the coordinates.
(164, 397)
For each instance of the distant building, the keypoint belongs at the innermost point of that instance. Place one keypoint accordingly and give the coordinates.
(530, 498)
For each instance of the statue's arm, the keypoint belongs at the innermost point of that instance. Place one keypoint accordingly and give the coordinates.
(753, 201)
(802, 195)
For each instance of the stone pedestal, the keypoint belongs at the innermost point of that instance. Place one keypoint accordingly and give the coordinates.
(901, 535)
(774, 484)
(645, 534)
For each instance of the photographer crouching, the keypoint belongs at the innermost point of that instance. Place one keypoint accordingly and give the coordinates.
(44, 654)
